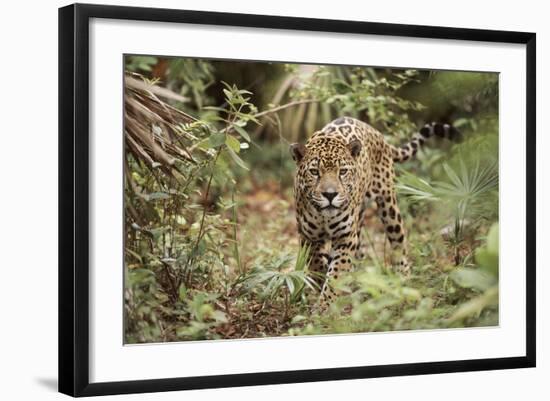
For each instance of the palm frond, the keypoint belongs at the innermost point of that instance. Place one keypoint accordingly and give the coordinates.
(153, 128)
(272, 276)
(465, 190)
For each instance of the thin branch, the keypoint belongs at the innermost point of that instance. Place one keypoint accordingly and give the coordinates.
(286, 106)
(275, 110)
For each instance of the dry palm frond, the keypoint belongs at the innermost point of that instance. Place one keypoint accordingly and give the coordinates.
(153, 128)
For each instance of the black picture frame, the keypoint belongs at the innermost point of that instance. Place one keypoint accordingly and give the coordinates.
(74, 198)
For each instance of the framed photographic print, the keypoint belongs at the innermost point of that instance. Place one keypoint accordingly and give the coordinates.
(250, 199)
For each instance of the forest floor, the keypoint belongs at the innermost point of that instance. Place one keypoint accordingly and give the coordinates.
(267, 228)
(250, 296)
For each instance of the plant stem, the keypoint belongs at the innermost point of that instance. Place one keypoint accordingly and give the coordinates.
(175, 293)
(201, 227)
(287, 306)
(274, 110)
(236, 244)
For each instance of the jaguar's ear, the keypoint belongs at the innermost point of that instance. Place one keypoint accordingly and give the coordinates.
(297, 150)
(355, 147)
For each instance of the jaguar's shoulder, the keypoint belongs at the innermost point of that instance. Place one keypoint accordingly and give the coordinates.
(344, 129)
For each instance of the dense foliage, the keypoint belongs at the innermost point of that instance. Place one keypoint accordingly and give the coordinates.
(211, 248)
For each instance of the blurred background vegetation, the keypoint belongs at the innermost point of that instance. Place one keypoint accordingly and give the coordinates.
(211, 248)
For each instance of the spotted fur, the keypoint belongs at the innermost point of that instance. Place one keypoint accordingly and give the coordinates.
(340, 170)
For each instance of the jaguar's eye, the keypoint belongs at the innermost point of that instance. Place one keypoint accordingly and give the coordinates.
(343, 172)
(314, 171)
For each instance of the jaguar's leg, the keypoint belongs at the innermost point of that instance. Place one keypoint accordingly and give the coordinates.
(382, 190)
(342, 252)
(362, 249)
(319, 253)
(389, 214)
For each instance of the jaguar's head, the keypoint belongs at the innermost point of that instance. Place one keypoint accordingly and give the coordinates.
(327, 170)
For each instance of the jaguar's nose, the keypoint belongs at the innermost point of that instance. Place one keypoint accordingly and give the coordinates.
(330, 195)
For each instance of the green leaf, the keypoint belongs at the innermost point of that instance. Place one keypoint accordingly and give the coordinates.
(475, 306)
(492, 239)
(204, 144)
(412, 294)
(298, 319)
(244, 92)
(157, 232)
(228, 94)
(461, 122)
(289, 284)
(473, 278)
(216, 140)
(488, 261)
(226, 85)
(242, 132)
(214, 108)
(219, 316)
(182, 293)
(140, 276)
(134, 254)
(487, 257)
(157, 196)
(236, 158)
(233, 143)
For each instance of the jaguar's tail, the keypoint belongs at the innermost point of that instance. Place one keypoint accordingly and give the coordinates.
(405, 152)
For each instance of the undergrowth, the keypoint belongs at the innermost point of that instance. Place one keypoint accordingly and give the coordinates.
(211, 246)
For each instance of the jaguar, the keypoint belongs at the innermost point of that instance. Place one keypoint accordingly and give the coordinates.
(340, 170)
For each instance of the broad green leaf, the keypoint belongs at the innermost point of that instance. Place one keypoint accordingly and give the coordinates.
(487, 257)
(204, 144)
(473, 278)
(492, 239)
(233, 143)
(216, 140)
(488, 261)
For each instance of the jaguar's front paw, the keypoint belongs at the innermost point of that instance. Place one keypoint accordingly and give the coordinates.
(320, 307)
(405, 266)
